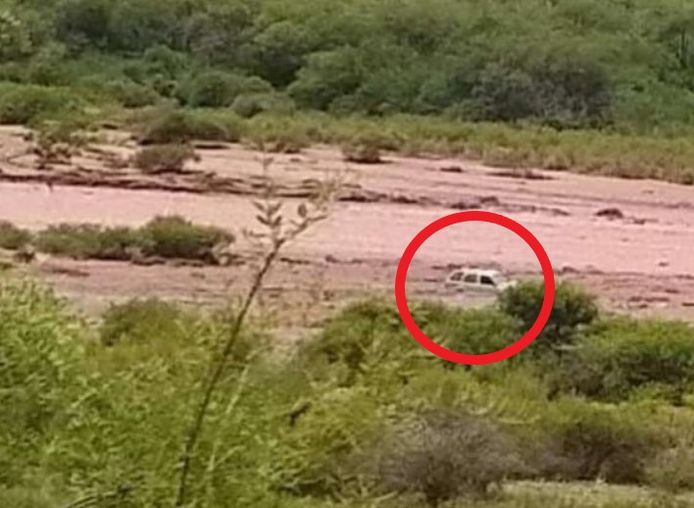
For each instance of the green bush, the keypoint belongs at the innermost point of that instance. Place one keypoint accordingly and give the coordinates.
(13, 237)
(277, 134)
(589, 441)
(176, 237)
(247, 105)
(471, 331)
(131, 94)
(673, 469)
(322, 444)
(85, 241)
(362, 330)
(213, 89)
(621, 356)
(165, 237)
(23, 104)
(445, 456)
(164, 158)
(40, 366)
(573, 309)
(138, 321)
(179, 126)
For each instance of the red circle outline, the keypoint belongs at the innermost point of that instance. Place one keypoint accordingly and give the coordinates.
(463, 358)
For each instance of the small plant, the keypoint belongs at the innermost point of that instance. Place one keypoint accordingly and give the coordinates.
(180, 126)
(25, 104)
(131, 94)
(251, 104)
(13, 237)
(175, 237)
(170, 158)
(57, 143)
(139, 321)
(599, 441)
(672, 470)
(446, 456)
(279, 137)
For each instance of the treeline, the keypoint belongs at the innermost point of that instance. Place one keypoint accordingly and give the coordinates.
(563, 63)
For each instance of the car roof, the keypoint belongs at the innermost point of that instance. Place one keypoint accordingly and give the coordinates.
(490, 273)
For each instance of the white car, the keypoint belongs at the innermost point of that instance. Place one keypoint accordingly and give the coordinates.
(472, 279)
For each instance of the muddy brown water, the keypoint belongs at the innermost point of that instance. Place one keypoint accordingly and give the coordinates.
(641, 262)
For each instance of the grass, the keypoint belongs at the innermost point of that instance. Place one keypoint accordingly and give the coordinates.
(637, 156)
(665, 156)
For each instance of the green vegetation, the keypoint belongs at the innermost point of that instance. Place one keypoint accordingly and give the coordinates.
(13, 237)
(172, 126)
(168, 237)
(358, 413)
(594, 86)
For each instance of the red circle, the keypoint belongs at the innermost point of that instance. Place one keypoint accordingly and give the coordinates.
(463, 358)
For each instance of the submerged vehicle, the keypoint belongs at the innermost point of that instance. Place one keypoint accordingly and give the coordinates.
(473, 279)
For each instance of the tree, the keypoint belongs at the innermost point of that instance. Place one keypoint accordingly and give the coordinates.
(572, 309)
(15, 41)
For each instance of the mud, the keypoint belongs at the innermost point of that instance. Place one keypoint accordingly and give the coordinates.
(638, 260)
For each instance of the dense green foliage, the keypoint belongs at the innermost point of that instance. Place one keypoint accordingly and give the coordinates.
(588, 85)
(359, 416)
(565, 63)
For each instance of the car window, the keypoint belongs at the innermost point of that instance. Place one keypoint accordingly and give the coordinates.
(457, 276)
(471, 277)
(487, 281)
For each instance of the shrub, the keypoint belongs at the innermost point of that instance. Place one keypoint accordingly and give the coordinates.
(248, 105)
(672, 469)
(131, 94)
(166, 237)
(573, 308)
(472, 331)
(139, 321)
(23, 104)
(213, 89)
(164, 158)
(85, 241)
(13, 237)
(361, 329)
(179, 126)
(176, 237)
(620, 356)
(277, 134)
(445, 456)
(320, 447)
(596, 441)
(40, 364)
(77, 241)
